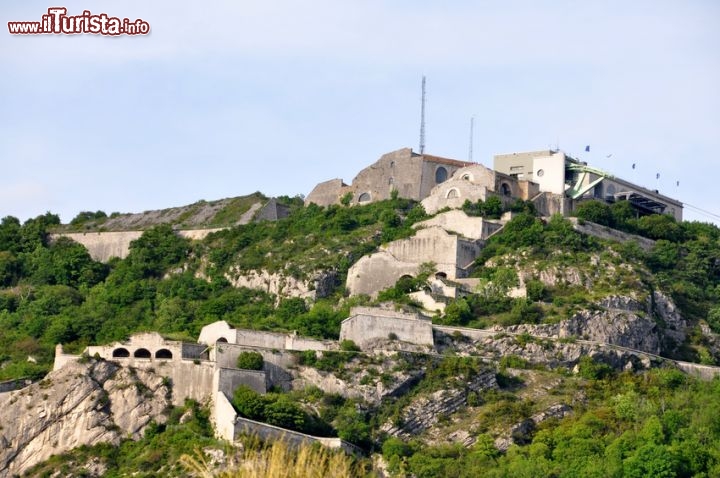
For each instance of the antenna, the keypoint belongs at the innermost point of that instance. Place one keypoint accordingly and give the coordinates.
(472, 127)
(422, 118)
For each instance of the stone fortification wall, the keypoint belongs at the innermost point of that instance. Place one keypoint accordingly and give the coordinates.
(432, 244)
(104, 245)
(327, 193)
(221, 330)
(223, 417)
(244, 426)
(604, 232)
(226, 380)
(367, 325)
(548, 204)
(412, 175)
(276, 362)
(376, 272)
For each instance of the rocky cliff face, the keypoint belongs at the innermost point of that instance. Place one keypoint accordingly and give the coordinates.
(321, 285)
(80, 404)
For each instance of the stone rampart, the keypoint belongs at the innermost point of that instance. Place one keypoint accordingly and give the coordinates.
(223, 332)
(608, 233)
(459, 222)
(367, 325)
(104, 245)
(228, 379)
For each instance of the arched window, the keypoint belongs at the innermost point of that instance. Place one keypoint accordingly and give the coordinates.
(505, 189)
(121, 353)
(364, 197)
(142, 353)
(453, 193)
(163, 354)
(221, 340)
(440, 175)
(467, 177)
(440, 275)
(391, 181)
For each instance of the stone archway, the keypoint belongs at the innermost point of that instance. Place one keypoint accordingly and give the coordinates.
(120, 353)
(163, 354)
(142, 353)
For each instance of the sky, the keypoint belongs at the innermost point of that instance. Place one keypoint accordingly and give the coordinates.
(224, 98)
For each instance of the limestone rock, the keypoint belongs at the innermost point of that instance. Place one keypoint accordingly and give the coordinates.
(271, 282)
(425, 412)
(80, 404)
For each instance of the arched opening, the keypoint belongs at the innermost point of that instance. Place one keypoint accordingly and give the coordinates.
(163, 354)
(121, 353)
(142, 353)
(221, 340)
(364, 197)
(440, 175)
(453, 193)
(392, 164)
(440, 275)
(467, 177)
(505, 189)
(391, 181)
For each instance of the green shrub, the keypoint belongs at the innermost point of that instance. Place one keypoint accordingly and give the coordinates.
(250, 361)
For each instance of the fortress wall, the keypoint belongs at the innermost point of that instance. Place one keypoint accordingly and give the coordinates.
(104, 245)
(256, 338)
(376, 272)
(427, 245)
(459, 222)
(364, 327)
(189, 380)
(226, 355)
(467, 252)
(703, 372)
(604, 232)
(453, 194)
(396, 170)
(297, 342)
(230, 379)
(326, 193)
(223, 417)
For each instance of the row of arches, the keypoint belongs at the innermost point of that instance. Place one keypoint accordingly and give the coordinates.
(122, 352)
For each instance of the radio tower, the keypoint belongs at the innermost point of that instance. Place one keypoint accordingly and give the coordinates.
(472, 125)
(422, 118)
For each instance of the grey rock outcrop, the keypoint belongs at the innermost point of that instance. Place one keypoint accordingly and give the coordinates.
(425, 412)
(80, 404)
(521, 433)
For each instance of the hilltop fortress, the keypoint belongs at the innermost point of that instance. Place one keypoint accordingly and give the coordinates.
(552, 180)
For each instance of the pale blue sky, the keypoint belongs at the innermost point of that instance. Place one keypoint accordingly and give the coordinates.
(226, 98)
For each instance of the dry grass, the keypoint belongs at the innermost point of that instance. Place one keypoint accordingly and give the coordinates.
(280, 460)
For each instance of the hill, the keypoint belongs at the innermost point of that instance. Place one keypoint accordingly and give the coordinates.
(528, 397)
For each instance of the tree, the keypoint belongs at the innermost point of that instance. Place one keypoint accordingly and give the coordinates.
(594, 211)
(250, 361)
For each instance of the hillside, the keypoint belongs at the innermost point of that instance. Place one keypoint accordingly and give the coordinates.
(201, 214)
(571, 374)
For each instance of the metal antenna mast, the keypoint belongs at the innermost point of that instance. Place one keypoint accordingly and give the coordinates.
(422, 118)
(472, 127)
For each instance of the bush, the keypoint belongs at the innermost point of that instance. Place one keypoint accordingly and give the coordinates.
(250, 361)
(349, 346)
